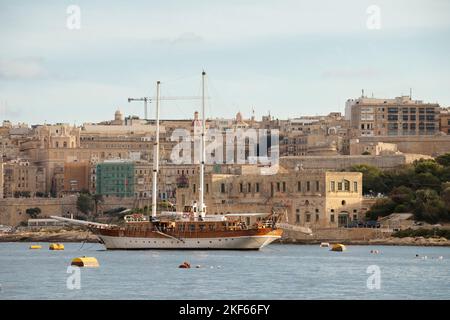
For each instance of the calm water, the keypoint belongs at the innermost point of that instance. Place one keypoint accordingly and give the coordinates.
(276, 272)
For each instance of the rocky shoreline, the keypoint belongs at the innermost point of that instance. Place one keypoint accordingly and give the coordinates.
(46, 236)
(86, 236)
(391, 241)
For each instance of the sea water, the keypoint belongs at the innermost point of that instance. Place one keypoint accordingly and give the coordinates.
(279, 271)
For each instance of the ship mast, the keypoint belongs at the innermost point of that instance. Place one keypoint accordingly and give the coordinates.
(155, 156)
(202, 208)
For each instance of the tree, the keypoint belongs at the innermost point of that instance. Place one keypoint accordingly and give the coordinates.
(444, 159)
(372, 181)
(85, 203)
(446, 197)
(97, 198)
(33, 212)
(427, 166)
(426, 180)
(429, 206)
(402, 195)
(381, 208)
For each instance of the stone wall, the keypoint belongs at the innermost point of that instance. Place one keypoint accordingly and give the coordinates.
(336, 234)
(13, 210)
(345, 162)
(427, 145)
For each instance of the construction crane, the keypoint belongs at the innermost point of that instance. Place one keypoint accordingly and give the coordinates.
(150, 99)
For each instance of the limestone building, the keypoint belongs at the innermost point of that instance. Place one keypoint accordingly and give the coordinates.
(445, 121)
(311, 198)
(23, 179)
(400, 116)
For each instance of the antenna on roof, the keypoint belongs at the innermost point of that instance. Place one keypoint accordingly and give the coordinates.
(362, 93)
(410, 93)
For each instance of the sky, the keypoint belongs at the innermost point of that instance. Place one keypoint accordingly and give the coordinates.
(286, 57)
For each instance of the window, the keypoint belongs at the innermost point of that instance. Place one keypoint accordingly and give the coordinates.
(308, 186)
(207, 188)
(297, 218)
(241, 187)
(332, 218)
(308, 217)
(355, 186)
(249, 187)
(332, 186)
(222, 187)
(392, 110)
(317, 186)
(278, 187)
(299, 186)
(284, 186)
(257, 187)
(339, 186)
(346, 185)
(392, 117)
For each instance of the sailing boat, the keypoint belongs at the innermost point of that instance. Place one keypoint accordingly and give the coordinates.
(192, 228)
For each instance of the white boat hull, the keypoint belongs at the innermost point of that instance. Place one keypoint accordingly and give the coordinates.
(235, 243)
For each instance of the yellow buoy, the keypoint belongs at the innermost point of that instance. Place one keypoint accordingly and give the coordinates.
(35, 247)
(88, 262)
(338, 247)
(56, 246)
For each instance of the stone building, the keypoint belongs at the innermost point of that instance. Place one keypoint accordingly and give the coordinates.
(23, 179)
(115, 178)
(445, 121)
(314, 135)
(1, 179)
(76, 177)
(311, 198)
(400, 116)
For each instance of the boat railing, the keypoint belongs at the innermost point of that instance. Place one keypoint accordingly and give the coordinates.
(135, 218)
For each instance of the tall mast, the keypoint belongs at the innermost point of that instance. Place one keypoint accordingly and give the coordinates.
(202, 208)
(155, 155)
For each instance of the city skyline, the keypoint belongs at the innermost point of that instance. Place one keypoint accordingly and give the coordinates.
(307, 60)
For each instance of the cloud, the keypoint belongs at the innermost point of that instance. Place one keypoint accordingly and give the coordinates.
(21, 68)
